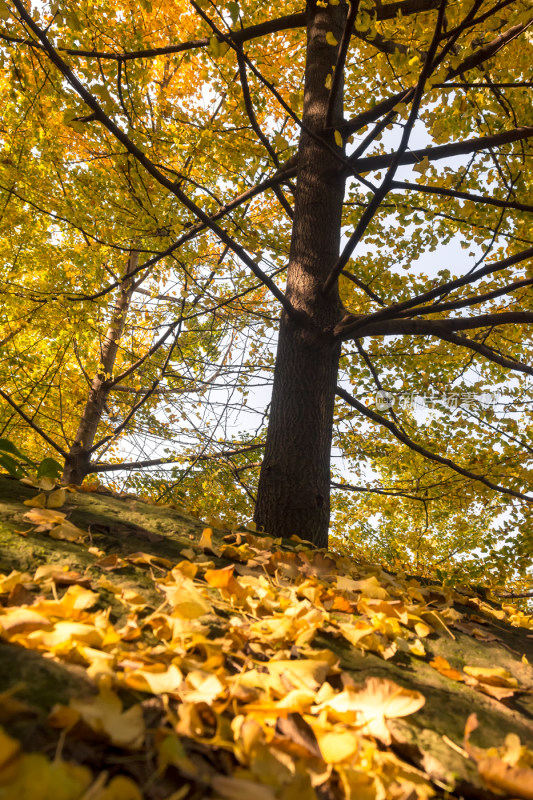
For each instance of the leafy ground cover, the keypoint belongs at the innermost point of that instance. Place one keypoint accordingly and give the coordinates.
(145, 655)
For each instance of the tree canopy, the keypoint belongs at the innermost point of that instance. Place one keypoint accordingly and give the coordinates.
(183, 183)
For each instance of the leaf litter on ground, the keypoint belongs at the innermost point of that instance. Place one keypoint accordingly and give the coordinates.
(224, 686)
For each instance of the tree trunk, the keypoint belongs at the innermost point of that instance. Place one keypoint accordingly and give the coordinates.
(294, 485)
(77, 463)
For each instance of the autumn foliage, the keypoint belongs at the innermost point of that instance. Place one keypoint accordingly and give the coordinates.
(251, 666)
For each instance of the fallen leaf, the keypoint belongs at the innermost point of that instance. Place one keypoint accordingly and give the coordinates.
(295, 728)
(68, 532)
(104, 715)
(237, 788)
(39, 501)
(369, 707)
(56, 499)
(442, 666)
(337, 746)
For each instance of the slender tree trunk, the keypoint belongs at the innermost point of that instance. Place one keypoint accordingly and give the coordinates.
(77, 464)
(294, 485)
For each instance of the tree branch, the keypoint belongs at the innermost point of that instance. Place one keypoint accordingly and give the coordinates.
(475, 198)
(33, 425)
(488, 352)
(425, 327)
(406, 440)
(349, 326)
(395, 161)
(443, 151)
(156, 462)
(406, 95)
(149, 166)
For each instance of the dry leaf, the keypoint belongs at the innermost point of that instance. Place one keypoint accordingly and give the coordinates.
(442, 666)
(105, 716)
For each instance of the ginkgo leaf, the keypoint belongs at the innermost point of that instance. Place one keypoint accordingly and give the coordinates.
(41, 779)
(157, 681)
(120, 788)
(105, 715)
(22, 620)
(441, 665)
(338, 745)
(237, 788)
(280, 142)
(370, 707)
(330, 39)
(68, 532)
(56, 499)
(497, 676)
(39, 501)
(422, 166)
(44, 518)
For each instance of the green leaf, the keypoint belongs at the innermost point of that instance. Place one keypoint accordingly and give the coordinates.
(49, 468)
(11, 466)
(8, 447)
(233, 9)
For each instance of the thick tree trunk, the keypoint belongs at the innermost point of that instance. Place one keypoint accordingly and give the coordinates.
(78, 461)
(294, 485)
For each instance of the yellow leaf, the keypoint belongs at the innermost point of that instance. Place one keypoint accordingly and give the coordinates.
(417, 648)
(422, 166)
(172, 753)
(155, 680)
(495, 676)
(301, 673)
(205, 539)
(8, 582)
(22, 620)
(378, 700)
(237, 788)
(56, 499)
(105, 716)
(120, 788)
(280, 142)
(44, 518)
(184, 597)
(330, 39)
(4, 10)
(335, 746)
(442, 666)
(9, 748)
(40, 779)
(39, 501)
(338, 139)
(67, 532)
(214, 46)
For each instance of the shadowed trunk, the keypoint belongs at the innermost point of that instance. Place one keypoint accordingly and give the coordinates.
(78, 461)
(294, 485)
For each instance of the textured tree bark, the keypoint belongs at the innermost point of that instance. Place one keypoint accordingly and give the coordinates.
(78, 461)
(294, 485)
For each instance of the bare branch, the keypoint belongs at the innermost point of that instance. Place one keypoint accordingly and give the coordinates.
(157, 462)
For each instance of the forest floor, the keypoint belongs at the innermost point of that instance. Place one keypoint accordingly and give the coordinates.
(144, 655)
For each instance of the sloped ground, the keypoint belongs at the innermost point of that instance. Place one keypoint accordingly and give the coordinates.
(143, 657)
